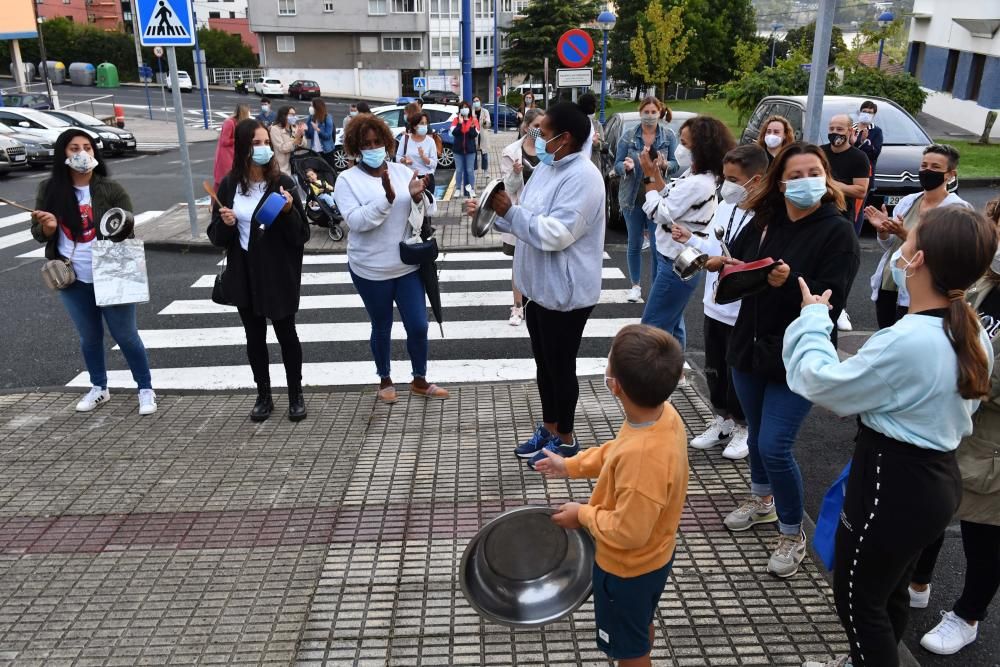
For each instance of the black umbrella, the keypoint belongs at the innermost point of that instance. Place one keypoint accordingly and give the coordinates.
(429, 275)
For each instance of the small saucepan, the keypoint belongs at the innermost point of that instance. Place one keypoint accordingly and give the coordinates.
(689, 262)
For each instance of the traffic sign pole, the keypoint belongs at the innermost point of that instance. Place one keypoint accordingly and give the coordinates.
(175, 92)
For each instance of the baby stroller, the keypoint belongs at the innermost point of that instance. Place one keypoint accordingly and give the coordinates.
(319, 212)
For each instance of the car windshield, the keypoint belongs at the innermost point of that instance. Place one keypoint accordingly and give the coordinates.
(897, 128)
(46, 119)
(83, 118)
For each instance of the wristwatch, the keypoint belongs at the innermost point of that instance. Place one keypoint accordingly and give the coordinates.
(647, 180)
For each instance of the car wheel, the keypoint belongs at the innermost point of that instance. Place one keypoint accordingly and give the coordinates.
(447, 159)
(340, 161)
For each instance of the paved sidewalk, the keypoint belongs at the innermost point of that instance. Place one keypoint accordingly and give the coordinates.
(196, 537)
(157, 136)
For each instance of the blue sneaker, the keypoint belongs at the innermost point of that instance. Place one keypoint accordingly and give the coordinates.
(556, 446)
(528, 449)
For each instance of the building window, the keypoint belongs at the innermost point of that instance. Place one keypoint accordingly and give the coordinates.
(369, 44)
(484, 46)
(407, 6)
(402, 44)
(285, 43)
(951, 68)
(376, 7)
(976, 77)
(515, 6)
(328, 6)
(444, 47)
(215, 15)
(286, 7)
(232, 15)
(445, 9)
(484, 9)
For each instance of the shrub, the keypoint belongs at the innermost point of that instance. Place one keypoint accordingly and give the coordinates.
(902, 89)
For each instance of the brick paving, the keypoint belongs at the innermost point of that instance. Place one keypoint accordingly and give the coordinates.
(197, 537)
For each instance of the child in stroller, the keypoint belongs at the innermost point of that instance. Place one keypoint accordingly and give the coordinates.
(316, 178)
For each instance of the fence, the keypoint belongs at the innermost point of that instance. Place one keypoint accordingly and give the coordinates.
(102, 101)
(228, 76)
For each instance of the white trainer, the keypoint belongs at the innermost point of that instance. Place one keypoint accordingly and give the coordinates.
(96, 396)
(645, 242)
(919, 599)
(147, 402)
(844, 322)
(635, 294)
(788, 555)
(717, 433)
(949, 636)
(737, 448)
(516, 316)
(839, 661)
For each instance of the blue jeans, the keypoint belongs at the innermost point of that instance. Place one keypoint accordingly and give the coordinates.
(408, 294)
(774, 415)
(668, 297)
(635, 223)
(465, 171)
(87, 316)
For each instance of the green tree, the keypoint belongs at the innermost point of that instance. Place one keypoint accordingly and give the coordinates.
(716, 26)
(660, 44)
(902, 89)
(749, 54)
(533, 37)
(804, 38)
(619, 43)
(787, 77)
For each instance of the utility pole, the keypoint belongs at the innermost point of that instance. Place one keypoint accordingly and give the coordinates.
(817, 73)
(467, 51)
(45, 60)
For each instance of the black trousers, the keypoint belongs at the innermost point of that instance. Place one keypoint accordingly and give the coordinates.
(717, 372)
(981, 544)
(899, 500)
(291, 350)
(887, 312)
(555, 342)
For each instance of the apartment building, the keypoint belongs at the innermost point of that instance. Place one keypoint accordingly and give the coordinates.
(954, 51)
(375, 48)
(205, 10)
(105, 14)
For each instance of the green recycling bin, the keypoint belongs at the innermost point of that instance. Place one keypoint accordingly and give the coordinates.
(107, 76)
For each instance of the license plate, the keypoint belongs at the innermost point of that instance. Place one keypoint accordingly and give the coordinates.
(51, 152)
(892, 201)
(130, 143)
(20, 158)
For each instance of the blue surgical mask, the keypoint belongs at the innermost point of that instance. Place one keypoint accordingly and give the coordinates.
(292, 119)
(421, 130)
(262, 154)
(373, 157)
(541, 145)
(805, 192)
(899, 274)
(477, 105)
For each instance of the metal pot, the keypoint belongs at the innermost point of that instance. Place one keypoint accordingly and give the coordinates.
(689, 262)
(116, 224)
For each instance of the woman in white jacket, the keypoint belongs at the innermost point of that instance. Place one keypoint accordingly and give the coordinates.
(937, 168)
(286, 136)
(517, 162)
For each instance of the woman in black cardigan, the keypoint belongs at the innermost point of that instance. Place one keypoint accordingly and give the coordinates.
(264, 265)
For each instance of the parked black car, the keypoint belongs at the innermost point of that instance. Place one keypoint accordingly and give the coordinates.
(116, 141)
(614, 128)
(904, 140)
(38, 101)
(439, 97)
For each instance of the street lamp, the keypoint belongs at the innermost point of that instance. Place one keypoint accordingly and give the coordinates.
(774, 28)
(607, 22)
(885, 19)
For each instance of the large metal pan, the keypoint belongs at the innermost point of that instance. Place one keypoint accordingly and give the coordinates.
(485, 216)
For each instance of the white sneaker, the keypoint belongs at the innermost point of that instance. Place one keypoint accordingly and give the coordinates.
(949, 636)
(147, 402)
(787, 555)
(96, 396)
(635, 294)
(471, 191)
(737, 447)
(717, 433)
(840, 661)
(645, 243)
(919, 599)
(844, 322)
(516, 316)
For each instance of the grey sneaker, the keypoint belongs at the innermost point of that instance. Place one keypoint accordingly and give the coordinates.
(787, 555)
(750, 513)
(841, 661)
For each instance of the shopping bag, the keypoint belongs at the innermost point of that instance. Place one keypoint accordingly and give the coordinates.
(120, 272)
(829, 518)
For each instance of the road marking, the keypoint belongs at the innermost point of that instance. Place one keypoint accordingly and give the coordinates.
(452, 371)
(15, 238)
(15, 219)
(444, 257)
(449, 276)
(140, 218)
(340, 301)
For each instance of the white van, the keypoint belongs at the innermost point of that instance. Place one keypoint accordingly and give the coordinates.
(534, 88)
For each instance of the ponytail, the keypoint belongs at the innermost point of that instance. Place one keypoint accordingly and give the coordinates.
(958, 246)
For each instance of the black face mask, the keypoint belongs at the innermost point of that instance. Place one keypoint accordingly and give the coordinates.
(930, 180)
(837, 139)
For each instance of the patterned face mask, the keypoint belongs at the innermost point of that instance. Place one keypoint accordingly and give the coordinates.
(82, 162)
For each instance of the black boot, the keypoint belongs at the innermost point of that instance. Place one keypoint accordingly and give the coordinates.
(263, 407)
(296, 403)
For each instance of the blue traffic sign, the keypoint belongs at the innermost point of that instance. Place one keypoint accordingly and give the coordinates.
(419, 83)
(166, 22)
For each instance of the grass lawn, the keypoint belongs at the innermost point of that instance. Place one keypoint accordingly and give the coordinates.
(978, 160)
(715, 108)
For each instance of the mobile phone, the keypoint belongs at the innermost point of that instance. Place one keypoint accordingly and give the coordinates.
(653, 154)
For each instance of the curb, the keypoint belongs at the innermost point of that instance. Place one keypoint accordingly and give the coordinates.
(987, 182)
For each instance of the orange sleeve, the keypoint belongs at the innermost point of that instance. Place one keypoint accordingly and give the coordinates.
(587, 464)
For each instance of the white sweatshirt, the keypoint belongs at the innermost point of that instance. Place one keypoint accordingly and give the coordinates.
(731, 220)
(689, 201)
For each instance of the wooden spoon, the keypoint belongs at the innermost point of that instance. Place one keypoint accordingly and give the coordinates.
(16, 205)
(211, 193)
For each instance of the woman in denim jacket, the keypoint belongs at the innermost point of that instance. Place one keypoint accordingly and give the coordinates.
(649, 133)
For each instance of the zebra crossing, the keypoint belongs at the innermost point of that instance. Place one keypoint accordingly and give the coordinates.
(195, 344)
(15, 230)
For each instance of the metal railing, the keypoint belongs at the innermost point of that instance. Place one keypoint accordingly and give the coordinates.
(109, 120)
(228, 76)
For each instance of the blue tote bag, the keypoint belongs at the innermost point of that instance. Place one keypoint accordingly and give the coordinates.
(829, 518)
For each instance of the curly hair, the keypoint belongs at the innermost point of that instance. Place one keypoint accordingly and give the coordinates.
(711, 140)
(354, 134)
(768, 201)
(789, 131)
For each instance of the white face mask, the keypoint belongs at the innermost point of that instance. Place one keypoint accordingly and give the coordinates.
(772, 140)
(865, 117)
(733, 193)
(312, 112)
(682, 154)
(463, 112)
(82, 162)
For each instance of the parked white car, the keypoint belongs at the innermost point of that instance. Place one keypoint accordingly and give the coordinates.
(40, 124)
(269, 87)
(13, 155)
(183, 82)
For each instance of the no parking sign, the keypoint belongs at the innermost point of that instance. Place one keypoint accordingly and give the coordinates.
(575, 48)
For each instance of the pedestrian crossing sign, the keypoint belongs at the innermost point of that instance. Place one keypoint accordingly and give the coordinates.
(166, 22)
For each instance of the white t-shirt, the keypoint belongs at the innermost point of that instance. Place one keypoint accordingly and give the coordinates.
(82, 257)
(243, 206)
(413, 147)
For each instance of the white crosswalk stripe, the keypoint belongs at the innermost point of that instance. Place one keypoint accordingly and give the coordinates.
(197, 344)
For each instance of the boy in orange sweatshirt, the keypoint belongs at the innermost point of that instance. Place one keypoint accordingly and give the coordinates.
(635, 510)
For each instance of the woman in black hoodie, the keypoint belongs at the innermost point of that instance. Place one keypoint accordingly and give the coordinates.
(798, 221)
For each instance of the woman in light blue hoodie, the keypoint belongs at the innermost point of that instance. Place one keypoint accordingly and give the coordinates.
(915, 386)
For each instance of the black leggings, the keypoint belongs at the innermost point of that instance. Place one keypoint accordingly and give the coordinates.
(981, 544)
(717, 372)
(878, 540)
(555, 341)
(887, 312)
(291, 350)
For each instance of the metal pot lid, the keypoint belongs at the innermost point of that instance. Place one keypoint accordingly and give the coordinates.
(485, 216)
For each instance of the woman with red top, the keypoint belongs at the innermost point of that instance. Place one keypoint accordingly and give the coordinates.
(224, 149)
(465, 130)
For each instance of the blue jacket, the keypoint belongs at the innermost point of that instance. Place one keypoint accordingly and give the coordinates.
(630, 146)
(267, 118)
(326, 130)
